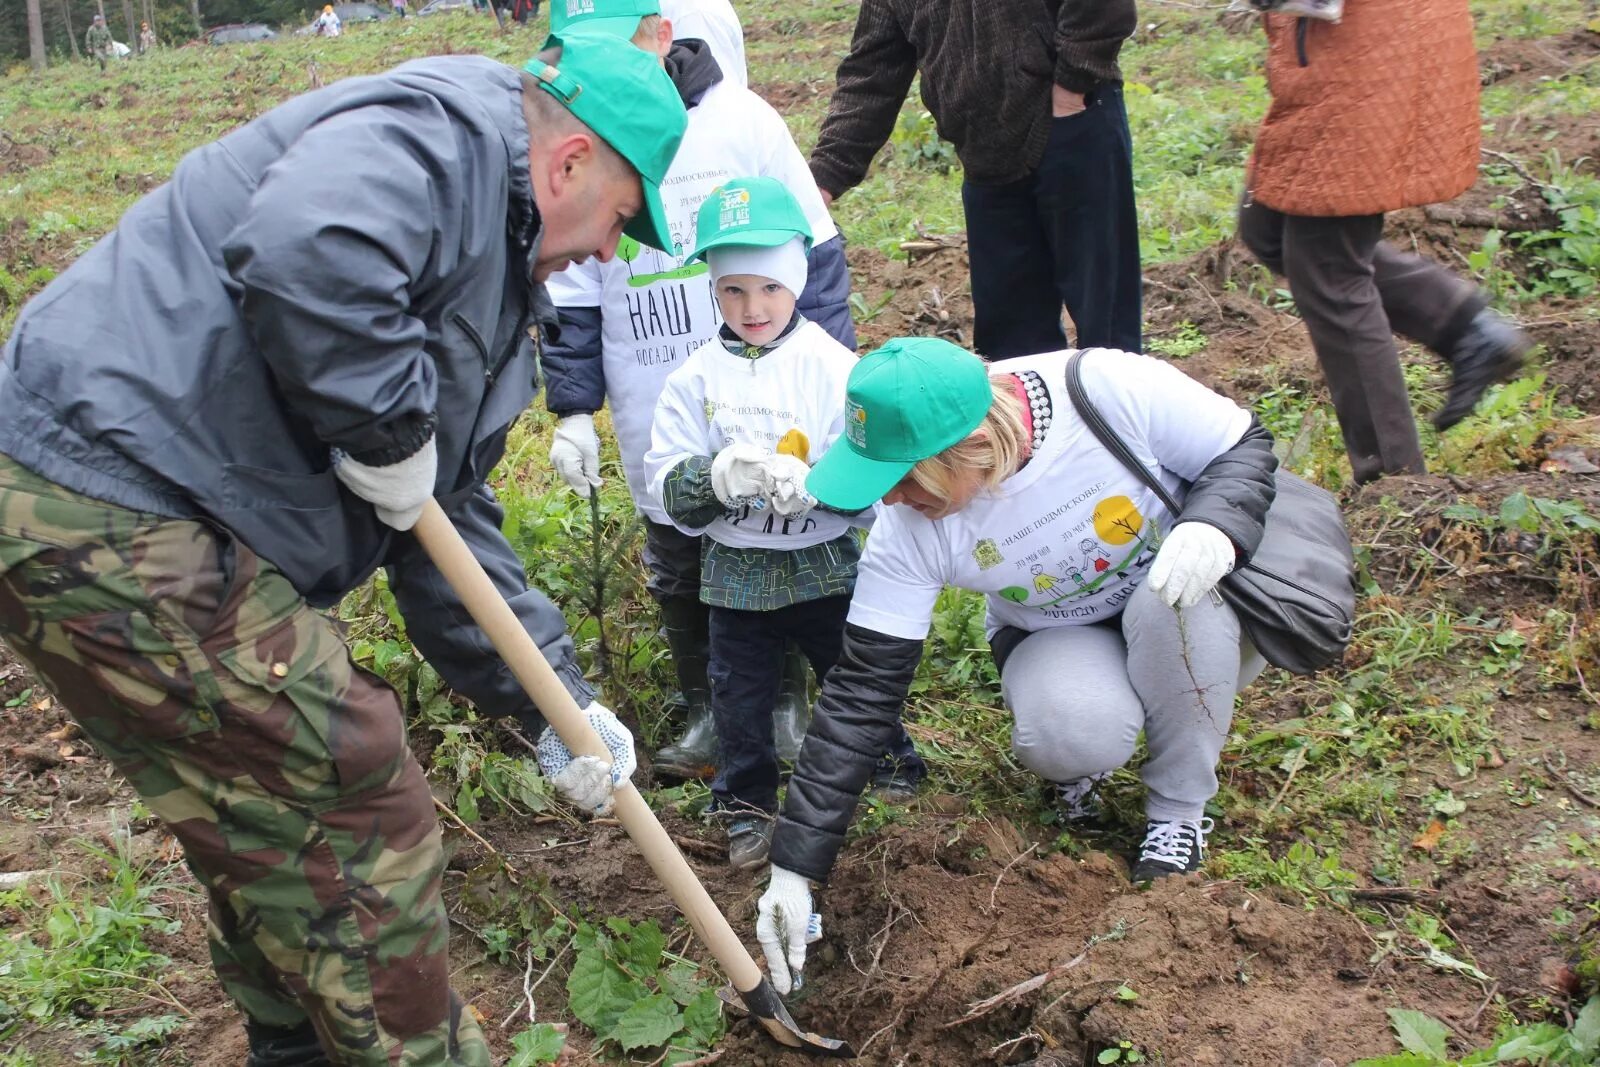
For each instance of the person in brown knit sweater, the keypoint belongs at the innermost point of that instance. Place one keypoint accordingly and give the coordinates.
(1030, 94)
(1373, 113)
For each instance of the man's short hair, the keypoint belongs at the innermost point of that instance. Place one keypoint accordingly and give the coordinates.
(549, 120)
(645, 34)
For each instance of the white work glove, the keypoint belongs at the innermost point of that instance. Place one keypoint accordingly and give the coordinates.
(787, 475)
(575, 454)
(785, 925)
(396, 491)
(739, 475)
(1191, 561)
(586, 781)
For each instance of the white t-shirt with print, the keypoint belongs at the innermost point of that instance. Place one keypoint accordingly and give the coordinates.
(790, 401)
(1065, 540)
(655, 311)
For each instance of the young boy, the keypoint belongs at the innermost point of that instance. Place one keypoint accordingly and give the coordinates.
(628, 323)
(735, 431)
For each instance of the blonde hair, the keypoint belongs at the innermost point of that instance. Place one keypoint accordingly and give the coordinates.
(644, 36)
(996, 448)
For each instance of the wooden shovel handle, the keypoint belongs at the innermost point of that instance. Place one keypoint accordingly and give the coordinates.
(494, 616)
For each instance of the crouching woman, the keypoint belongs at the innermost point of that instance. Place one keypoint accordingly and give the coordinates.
(1103, 613)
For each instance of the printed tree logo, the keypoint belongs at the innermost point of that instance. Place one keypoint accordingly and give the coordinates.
(1117, 521)
(1014, 593)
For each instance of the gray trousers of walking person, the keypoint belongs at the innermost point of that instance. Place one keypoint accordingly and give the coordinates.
(1079, 696)
(1355, 291)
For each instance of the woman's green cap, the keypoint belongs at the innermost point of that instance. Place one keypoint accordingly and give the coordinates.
(911, 399)
(623, 95)
(749, 212)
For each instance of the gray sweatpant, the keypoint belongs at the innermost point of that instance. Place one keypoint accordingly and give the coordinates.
(1081, 694)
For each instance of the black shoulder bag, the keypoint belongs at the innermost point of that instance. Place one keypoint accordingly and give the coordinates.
(1296, 598)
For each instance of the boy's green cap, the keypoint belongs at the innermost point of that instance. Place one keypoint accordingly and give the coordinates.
(623, 95)
(620, 18)
(911, 399)
(750, 212)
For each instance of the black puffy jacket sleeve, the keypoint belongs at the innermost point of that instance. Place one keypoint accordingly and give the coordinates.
(1235, 490)
(855, 719)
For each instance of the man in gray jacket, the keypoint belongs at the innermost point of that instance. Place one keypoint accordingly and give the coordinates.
(223, 417)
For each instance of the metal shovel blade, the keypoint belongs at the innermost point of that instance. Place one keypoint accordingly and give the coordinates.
(763, 1004)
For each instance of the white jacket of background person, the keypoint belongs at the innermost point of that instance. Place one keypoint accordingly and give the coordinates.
(717, 24)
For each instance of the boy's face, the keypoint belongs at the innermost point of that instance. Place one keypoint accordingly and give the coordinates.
(755, 308)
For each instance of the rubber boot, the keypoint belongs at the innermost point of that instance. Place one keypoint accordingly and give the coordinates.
(693, 755)
(283, 1046)
(792, 714)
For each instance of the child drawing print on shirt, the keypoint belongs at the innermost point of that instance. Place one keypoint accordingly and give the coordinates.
(1095, 559)
(1118, 522)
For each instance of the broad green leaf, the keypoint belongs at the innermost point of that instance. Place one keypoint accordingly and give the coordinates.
(702, 1018)
(1517, 510)
(1531, 1043)
(598, 992)
(681, 981)
(1443, 961)
(1418, 1032)
(467, 803)
(1586, 1029)
(638, 947)
(647, 1023)
(1109, 1055)
(540, 1043)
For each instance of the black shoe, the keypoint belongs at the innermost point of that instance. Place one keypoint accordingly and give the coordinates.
(749, 841)
(1491, 350)
(791, 715)
(694, 754)
(1171, 848)
(1077, 803)
(283, 1046)
(895, 786)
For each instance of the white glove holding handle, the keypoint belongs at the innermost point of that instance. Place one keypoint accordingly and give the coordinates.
(739, 476)
(575, 454)
(1191, 561)
(787, 475)
(396, 491)
(586, 781)
(785, 925)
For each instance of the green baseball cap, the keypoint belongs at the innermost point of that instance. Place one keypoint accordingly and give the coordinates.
(750, 212)
(620, 18)
(911, 399)
(623, 95)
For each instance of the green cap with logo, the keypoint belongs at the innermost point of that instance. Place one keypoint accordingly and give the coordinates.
(749, 212)
(623, 95)
(911, 399)
(620, 18)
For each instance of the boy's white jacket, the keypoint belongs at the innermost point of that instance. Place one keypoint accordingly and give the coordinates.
(789, 401)
(655, 311)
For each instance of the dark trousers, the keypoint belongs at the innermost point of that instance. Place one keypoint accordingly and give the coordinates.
(1355, 291)
(673, 559)
(1066, 234)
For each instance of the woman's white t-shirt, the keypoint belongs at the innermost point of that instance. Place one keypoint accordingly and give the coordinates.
(1066, 539)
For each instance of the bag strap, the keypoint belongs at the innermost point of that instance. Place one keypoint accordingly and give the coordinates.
(1115, 445)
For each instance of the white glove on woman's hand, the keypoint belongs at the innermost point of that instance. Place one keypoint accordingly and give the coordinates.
(739, 475)
(575, 454)
(586, 781)
(396, 491)
(785, 925)
(1191, 561)
(788, 478)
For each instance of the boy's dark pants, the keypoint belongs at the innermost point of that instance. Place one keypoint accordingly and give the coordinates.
(747, 649)
(1066, 234)
(1355, 291)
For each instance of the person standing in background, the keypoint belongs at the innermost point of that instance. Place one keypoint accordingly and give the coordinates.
(1030, 94)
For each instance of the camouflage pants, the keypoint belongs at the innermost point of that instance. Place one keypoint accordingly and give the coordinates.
(237, 713)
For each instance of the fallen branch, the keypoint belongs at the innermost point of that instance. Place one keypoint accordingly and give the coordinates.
(1477, 219)
(1001, 876)
(1570, 785)
(1394, 894)
(1016, 992)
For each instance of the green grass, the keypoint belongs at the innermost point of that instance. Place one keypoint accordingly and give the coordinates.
(1321, 774)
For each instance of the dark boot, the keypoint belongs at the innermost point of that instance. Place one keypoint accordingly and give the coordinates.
(694, 755)
(1491, 350)
(283, 1046)
(792, 713)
